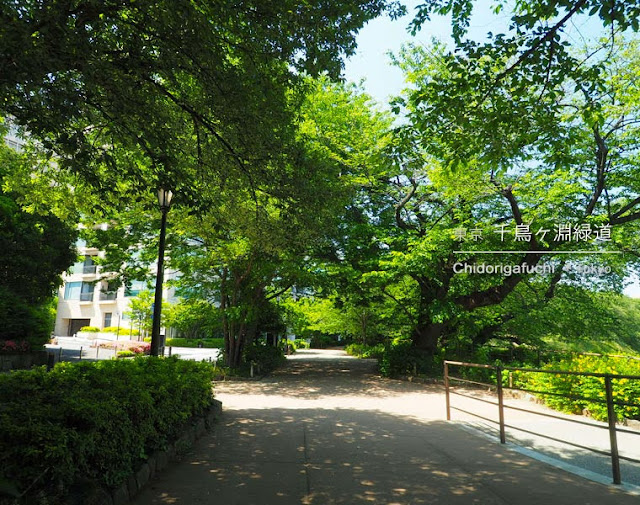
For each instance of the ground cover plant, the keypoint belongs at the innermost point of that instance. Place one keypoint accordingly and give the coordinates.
(93, 421)
(624, 390)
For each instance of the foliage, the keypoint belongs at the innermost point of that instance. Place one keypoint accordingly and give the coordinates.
(266, 357)
(322, 341)
(94, 420)
(299, 343)
(120, 330)
(549, 161)
(90, 329)
(35, 247)
(590, 389)
(207, 343)
(132, 346)
(141, 311)
(14, 346)
(365, 351)
(401, 357)
(194, 318)
(206, 93)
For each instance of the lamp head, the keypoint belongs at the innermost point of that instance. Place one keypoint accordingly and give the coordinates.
(164, 198)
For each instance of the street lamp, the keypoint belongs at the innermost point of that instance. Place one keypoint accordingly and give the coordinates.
(157, 347)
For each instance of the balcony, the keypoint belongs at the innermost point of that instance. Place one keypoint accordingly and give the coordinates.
(84, 269)
(86, 297)
(108, 296)
(88, 269)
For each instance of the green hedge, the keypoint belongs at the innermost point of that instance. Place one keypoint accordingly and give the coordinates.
(121, 330)
(90, 329)
(267, 357)
(398, 357)
(208, 343)
(299, 343)
(94, 420)
(365, 351)
(624, 390)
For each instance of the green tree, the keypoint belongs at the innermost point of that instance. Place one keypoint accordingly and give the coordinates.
(174, 93)
(567, 164)
(35, 248)
(194, 318)
(141, 312)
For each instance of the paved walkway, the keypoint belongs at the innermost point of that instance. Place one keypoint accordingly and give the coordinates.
(327, 431)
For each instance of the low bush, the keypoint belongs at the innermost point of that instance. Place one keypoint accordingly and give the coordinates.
(125, 354)
(624, 390)
(208, 343)
(120, 330)
(400, 357)
(365, 351)
(14, 346)
(93, 421)
(90, 329)
(266, 357)
(299, 343)
(324, 341)
(128, 345)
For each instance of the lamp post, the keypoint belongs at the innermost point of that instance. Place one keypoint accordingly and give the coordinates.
(164, 200)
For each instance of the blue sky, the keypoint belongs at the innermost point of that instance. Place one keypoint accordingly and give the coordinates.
(382, 36)
(372, 65)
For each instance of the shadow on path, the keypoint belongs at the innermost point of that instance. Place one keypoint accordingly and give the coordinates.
(329, 431)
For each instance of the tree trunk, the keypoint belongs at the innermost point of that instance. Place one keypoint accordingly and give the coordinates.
(427, 335)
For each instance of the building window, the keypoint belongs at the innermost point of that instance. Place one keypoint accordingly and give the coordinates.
(107, 319)
(86, 266)
(135, 288)
(72, 290)
(109, 291)
(82, 291)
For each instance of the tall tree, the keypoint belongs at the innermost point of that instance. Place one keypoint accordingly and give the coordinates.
(538, 191)
(181, 94)
(35, 248)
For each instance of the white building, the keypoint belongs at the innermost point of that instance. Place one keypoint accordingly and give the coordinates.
(87, 298)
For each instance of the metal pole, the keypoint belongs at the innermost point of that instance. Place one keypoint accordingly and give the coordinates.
(80, 354)
(500, 404)
(613, 436)
(446, 390)
(157, 308)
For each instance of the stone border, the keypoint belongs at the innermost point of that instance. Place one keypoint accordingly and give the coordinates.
(155, 463)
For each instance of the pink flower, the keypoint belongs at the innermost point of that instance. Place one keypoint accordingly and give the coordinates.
(13, 346)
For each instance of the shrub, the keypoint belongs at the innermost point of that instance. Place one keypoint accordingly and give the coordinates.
(20, 320)
(128, 345)
(324, 341)
(125, 354)
(14, 346)
(400, 357)
(90, 329)
(94, 420)
(624, 390)
(266, 357)
(299, 343)
(208, 343)
(365, 351)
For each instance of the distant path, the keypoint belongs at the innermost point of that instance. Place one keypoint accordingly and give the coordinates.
(327, 430)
